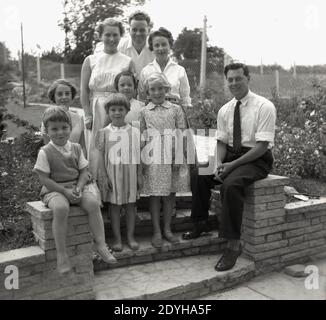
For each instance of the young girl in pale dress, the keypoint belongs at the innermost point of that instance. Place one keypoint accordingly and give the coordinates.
(126, 83)
(97, 83)
(161, 176)
(119, 176)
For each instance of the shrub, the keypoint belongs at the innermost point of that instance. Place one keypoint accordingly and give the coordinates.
(297, 147)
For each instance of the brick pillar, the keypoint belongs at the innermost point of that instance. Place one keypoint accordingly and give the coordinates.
(264, 219)
(78, 284)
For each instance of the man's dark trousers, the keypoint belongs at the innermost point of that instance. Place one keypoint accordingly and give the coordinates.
(232, 192)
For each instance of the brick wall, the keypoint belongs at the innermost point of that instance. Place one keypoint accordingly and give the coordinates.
(38, 278)
(276, 234)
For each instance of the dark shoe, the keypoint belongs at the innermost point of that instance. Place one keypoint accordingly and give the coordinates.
(197, 230)
(228, 259)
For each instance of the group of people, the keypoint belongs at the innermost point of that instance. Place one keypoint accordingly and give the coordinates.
(135, 98)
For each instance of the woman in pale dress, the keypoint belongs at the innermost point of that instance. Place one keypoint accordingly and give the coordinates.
(97, 83)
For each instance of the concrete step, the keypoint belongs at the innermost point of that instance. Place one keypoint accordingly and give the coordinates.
(180, 278)
(180, 222)
(208, 242)
(182, 201)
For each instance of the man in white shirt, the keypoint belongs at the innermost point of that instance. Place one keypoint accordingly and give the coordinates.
(135, 44)
(245, 136)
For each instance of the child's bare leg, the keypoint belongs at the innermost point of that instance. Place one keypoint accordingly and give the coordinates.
(115, 223)
(60, 207)
(154, 208)
(167, 217)
(131, 219)
(91, 206)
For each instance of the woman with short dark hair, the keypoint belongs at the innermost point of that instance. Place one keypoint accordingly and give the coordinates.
(161, 43)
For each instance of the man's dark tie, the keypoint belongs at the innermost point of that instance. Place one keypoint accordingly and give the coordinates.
(237, 128)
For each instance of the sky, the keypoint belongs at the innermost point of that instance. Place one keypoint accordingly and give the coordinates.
(251, 31)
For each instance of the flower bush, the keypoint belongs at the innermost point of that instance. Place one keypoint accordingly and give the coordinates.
(297, 149)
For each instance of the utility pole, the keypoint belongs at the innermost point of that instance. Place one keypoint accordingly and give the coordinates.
(23, 66)
(294, 70)
(203, 58)
(67, 29)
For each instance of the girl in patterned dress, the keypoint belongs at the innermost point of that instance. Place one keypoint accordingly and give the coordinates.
(118, 169)
(158, 120)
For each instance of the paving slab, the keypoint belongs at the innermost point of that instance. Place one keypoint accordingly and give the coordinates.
(171, 278)
(321, 265)
(241, 293)
(296, 270)
(279, 286)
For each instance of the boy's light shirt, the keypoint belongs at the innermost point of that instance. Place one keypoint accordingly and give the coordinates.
(42, 163)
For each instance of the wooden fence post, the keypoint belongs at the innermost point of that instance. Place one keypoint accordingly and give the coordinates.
(62, 70)
(38, 68)
(277, 83)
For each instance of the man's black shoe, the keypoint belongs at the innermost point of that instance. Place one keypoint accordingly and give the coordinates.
(198, 229)
(228, 259)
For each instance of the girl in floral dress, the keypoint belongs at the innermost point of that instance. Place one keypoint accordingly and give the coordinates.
(162, 178)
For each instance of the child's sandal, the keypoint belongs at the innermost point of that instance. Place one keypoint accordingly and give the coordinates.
(106, 255)
(157, 241)
(171, 238)
(133, 245)
(117, 247)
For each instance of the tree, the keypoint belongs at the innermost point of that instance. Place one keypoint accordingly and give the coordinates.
(55, 55)
(81, 18)
(187, 50)
(188, 44)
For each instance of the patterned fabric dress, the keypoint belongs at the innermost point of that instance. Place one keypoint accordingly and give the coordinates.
(104, 68)
(121, 156)
(160, 179)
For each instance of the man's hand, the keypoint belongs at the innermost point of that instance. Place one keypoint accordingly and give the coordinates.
(72, 197)
(224, 169)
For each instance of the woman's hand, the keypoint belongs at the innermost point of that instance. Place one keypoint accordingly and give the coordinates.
(104, 183)
(89, 122)
(140, 182)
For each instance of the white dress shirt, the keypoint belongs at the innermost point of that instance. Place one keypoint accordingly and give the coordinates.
(176, 76)
(258, 116)
(140, 60)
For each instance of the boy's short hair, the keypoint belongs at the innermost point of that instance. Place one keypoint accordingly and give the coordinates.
(157, 77)
(117, 99)
(56, 84)
(56, 113)
(139, 16)
(161, 32)
(127, 74)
